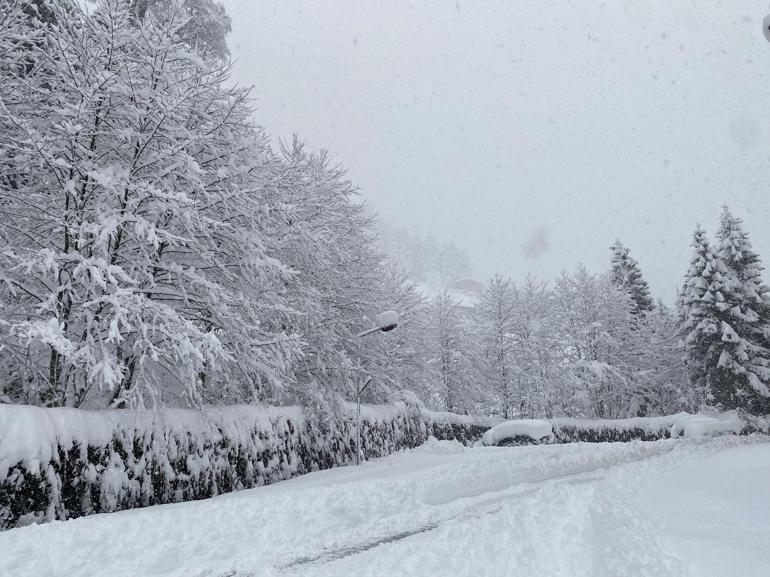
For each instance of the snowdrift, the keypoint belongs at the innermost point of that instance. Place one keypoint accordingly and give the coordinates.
(66, 463)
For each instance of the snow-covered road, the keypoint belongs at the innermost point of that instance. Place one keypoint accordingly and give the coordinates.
(668, 508)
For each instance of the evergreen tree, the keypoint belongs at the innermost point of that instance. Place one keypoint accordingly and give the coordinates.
(697, 310)
(626, 274)
(739, 363)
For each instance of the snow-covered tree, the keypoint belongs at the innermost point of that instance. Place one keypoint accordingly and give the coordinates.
(740, 376)
(138, 266)
(453, 263)
(661, 383)
(495, 317)
(626, 274)
(204, 27)
(450, 359)
(535, 353)
(697, 310)
(595, 321)
(328, 240)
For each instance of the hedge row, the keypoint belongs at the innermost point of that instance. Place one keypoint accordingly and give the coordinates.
(570, 430)
(60, 464)
(575, 432)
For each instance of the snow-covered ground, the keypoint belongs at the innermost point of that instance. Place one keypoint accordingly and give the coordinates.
(696, 507)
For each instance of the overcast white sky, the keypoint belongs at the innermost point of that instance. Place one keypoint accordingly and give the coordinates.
(531, 132)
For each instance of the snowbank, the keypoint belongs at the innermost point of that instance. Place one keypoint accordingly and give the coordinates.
(532, 429)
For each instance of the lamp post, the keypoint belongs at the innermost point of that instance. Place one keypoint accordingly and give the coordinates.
(359, 390)
(385, 321)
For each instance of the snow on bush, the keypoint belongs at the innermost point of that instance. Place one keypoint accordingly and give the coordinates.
(453, 427)
(65, 463)
(686, 425)
(531, 430)
(571, 430)
(652, 428)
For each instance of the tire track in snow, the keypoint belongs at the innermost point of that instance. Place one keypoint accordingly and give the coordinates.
(480, 508)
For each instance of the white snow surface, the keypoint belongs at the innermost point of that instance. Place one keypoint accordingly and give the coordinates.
(674, 508)
(533, 428)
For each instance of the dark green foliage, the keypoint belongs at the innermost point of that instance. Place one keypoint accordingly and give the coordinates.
(157, 465)
(519, 440)
(724, 316)
(578, 434)
(465, 434)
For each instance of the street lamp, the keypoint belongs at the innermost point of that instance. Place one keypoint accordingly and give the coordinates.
(385, 321)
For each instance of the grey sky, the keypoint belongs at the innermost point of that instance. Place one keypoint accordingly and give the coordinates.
(533, 133)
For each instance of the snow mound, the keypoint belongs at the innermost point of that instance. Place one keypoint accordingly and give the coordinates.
(435, 447)
(535, 429)
(686, 425)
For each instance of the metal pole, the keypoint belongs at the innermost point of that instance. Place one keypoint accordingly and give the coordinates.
(359, 390)
(358, 426)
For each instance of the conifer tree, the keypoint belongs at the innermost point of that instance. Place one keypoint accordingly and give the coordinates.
(626, 274)
(697, 309)
(738, 375)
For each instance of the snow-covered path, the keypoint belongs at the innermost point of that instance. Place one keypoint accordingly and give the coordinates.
(667, 508)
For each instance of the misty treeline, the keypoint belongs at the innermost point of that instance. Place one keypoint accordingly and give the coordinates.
(157, 249)
(424, 259)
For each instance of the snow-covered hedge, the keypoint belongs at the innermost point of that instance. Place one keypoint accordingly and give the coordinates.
(567, 430)
(647, 428)
(66, 463)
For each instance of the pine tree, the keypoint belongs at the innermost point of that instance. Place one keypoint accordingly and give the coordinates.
(697, 310)
(626, 274)
(739, 363)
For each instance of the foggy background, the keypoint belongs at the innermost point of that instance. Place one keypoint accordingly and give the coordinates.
(534, 133)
